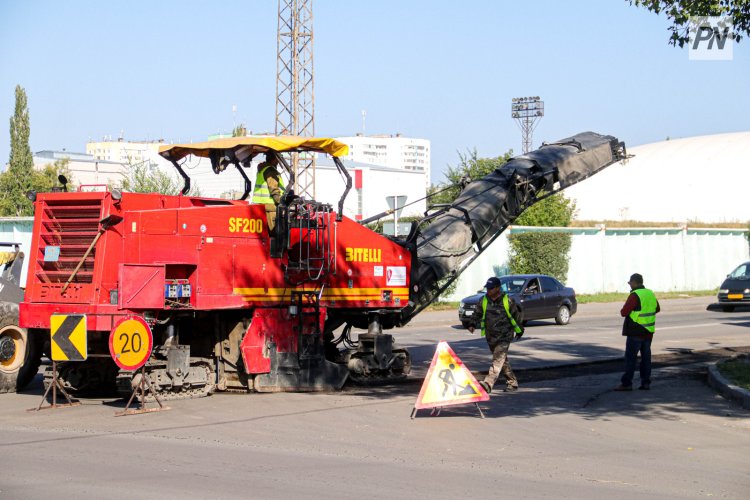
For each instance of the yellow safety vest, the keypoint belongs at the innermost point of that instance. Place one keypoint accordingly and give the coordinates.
(646, 317)
(261, 193)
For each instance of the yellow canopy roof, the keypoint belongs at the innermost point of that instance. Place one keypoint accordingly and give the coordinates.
(285, 143)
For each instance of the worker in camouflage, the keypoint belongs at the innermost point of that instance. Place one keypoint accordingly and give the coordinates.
(500, 325)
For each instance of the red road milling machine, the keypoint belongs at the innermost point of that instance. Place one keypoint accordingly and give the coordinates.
(237, 306)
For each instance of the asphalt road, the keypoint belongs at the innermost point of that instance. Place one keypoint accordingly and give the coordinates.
(560, 437)
(593, 334)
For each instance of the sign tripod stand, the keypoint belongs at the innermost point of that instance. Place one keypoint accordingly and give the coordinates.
(130, 345)
(54, 386)
(435, 412)
(140, 389)
(67, 343)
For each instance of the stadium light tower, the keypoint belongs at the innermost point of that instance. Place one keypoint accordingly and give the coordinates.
(295, 98)
(527, 111)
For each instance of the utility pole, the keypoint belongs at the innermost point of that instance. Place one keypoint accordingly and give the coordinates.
(295, 97)
(527, 111)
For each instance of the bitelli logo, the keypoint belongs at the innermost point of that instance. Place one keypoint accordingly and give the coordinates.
(711, 38)
(363, 255)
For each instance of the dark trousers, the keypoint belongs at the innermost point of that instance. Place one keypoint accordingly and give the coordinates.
(632, 347)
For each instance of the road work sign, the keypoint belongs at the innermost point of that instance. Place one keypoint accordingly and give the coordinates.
(130, 343)
(449, 382)
(68, 337)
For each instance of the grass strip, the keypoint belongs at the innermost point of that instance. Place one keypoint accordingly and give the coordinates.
(736, 371)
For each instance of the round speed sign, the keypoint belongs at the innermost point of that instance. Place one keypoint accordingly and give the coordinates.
(130, 343)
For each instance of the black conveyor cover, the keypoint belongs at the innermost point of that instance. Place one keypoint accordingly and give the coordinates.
(488, 205)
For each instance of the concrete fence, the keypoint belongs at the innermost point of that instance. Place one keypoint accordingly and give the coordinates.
(601, 259)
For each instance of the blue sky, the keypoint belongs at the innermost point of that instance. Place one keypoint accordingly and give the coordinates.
(441, 70)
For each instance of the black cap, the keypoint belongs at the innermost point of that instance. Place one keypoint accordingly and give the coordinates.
(637, 278)
(492, 283)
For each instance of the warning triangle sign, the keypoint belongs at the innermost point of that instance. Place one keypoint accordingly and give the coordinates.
(449, 382)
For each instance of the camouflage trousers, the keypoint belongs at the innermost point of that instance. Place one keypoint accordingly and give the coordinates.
(271, 216)
(501, 365)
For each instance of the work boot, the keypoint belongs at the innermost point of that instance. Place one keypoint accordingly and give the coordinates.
(485, 386)
(621, 388)
(645, 387)
(511, 388)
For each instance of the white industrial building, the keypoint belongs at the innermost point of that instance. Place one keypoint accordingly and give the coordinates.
(679, 180)
(122, 151)
(84, 169)
(371, 186)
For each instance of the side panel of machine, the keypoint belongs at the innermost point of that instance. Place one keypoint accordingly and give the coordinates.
(371, 270)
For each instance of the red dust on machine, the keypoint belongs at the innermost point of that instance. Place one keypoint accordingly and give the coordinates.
(237, 305)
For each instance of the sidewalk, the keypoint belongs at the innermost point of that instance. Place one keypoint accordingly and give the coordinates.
(667, 305)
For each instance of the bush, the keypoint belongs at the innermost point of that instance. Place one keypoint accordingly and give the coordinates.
(543, 253)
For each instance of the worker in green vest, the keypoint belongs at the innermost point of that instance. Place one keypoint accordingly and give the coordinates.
(500, 324)
(268, 188)
(268, 183)
(639, 326)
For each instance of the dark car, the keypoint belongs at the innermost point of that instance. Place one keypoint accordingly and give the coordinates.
(735, 290)
(537, 296)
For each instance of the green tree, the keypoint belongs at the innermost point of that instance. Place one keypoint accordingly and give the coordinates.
(680, 11)
(554, 211)
(47, 178)
(239, 131)
(470, 167)
(543, 252)
(17, 180)
(141, 178)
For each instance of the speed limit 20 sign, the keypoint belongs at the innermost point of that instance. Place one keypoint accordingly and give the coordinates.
(130, 343)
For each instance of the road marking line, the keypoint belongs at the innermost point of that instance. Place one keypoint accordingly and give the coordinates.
(693, 326)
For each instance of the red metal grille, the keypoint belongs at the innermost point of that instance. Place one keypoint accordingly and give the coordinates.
(71, 228)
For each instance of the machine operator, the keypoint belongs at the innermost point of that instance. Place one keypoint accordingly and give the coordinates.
(268, 188)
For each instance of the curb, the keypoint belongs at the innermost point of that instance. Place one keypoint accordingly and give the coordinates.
(725, 387)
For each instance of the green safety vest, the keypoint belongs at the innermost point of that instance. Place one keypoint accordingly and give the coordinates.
(506, 306)
(261, 194)
(646, 317)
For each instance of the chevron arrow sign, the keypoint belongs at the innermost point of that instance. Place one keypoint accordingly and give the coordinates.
(68, 337)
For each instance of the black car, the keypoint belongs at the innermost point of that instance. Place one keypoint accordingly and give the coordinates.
(537, 296)
(735, 290)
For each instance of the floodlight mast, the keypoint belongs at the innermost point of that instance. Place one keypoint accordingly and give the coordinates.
(527, 111)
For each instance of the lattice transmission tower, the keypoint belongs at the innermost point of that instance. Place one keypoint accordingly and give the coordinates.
(295, 96)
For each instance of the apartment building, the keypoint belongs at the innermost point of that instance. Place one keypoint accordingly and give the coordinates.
(394, 151)
(122, 151)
